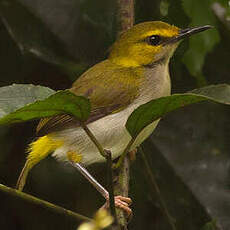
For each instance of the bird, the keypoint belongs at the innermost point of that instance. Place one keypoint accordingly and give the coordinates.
(135, 72)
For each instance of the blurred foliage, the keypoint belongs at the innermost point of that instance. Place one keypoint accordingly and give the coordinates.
(226, 5)
(35, 38)
(164, 7)
(194, 141)
(203, 43)
(189, 152)
(209, 226)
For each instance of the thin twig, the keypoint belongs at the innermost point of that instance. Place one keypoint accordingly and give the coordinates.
(124, 154)
(125, 20)
(122, 188)
(155, 186)
(110, 185)
(94, 140)
(42, 203)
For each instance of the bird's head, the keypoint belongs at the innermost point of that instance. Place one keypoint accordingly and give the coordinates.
(149, 42)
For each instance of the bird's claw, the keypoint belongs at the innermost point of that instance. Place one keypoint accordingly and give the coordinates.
(123, 203)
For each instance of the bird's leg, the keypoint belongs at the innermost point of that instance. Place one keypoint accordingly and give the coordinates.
(91, 179)
(120, 201)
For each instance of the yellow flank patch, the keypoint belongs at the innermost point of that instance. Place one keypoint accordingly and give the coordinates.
(40, 149)
(74, 157)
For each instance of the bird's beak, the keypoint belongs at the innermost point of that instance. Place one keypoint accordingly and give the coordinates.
(184, 33)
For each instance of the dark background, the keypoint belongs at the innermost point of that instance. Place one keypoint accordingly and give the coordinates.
(188, 152)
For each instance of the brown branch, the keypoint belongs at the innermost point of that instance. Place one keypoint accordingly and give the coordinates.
(125, 15)
(42, 203)
(121, 187)
(125, 20)
(110, 185)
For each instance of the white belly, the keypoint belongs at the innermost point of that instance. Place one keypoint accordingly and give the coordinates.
(110, 131)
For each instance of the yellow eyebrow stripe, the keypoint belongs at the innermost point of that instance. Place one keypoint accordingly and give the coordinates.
(162, 32)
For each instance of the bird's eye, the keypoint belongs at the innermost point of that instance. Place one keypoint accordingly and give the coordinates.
(154, 40)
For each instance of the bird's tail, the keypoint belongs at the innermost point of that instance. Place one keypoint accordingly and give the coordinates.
(37, 150)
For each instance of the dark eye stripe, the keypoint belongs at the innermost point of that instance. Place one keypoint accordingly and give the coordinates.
(156, 40)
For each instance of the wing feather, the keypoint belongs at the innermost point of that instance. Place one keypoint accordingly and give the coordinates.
(109, 91)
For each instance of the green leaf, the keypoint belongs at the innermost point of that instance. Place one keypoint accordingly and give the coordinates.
(33, 37)
(155, 109)
(200, 13)
(21, 103)
(164, 7)
(210, 225)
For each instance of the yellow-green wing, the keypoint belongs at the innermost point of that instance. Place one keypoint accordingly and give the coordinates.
(110, 89)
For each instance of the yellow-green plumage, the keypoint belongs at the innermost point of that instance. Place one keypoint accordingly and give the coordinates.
(102, 87)
(131, 50)
(134, 73)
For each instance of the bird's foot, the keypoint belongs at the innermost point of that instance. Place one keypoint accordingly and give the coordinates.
(122, 203)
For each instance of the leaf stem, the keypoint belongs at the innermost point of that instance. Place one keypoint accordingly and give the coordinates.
(94, 140)
(42, 203)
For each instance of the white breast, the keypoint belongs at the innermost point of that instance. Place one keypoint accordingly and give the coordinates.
(110, 131)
